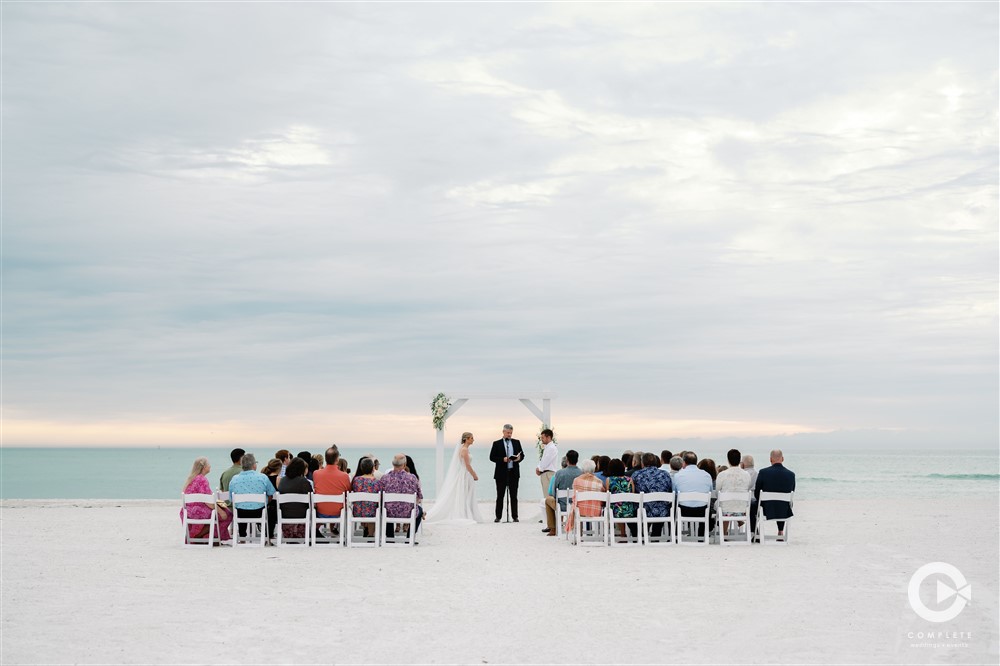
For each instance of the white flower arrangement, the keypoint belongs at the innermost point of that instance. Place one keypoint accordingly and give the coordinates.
(538, 443)
(439, 407)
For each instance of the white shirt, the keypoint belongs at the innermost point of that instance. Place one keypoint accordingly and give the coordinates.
(733, 480)
(550, 458)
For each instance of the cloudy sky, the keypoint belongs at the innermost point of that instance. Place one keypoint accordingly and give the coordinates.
(229, 222)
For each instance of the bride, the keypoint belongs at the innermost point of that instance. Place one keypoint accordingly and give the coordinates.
(457, 501)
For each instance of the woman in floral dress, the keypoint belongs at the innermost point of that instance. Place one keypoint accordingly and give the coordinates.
(365, 482)
(197, 484)
(619, 483)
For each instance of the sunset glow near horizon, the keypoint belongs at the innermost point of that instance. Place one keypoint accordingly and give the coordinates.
(235, 223)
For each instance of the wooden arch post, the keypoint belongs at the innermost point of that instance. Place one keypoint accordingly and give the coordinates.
(543, 413)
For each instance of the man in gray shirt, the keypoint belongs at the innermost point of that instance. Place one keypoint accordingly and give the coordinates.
(563, 480)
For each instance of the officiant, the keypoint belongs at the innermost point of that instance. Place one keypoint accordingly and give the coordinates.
(507, 455)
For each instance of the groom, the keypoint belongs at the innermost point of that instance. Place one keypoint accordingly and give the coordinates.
(507, 455)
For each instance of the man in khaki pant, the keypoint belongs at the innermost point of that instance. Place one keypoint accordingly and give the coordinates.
(549, 463)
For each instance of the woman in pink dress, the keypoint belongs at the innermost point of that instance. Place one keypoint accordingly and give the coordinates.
(197, 484)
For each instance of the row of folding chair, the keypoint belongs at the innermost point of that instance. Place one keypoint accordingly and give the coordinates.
(732, 511)
(345, 529)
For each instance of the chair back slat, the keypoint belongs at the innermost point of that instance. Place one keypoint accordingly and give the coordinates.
(248, 497)
(298, 498)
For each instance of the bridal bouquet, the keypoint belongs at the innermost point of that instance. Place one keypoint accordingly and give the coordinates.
(439, 407)
(538, 443)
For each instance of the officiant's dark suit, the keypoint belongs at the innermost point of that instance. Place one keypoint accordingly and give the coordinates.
(507, 474)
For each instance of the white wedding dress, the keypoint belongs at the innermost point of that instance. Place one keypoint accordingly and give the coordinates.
(456, 505)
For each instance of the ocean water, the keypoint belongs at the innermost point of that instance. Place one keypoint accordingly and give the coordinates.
(158, 473)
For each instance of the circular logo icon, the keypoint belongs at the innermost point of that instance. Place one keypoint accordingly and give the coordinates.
(959, 591)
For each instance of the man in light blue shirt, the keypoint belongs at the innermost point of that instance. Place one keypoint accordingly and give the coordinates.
(690, 479)
(250, 482)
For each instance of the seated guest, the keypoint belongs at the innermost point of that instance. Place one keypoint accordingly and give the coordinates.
(586, 482)
(362, 459)
(708, 465)
(665, 457)
(676, 464)
(313, 467)
(305, 456)
(732, 480)
(774, 479)
(630, 462)
(365, 482)
(376, 465)
(294, 482)
(330, 480)
(747, 464)
(398, 480)
(411, 467)
(251, 482)
(285, 456)
(197, 484)
(691, 479)
(563, 480)
(652, 479)
(272, 470)
(230, 472)
(619, 483)
(602, 470)
(344, 467)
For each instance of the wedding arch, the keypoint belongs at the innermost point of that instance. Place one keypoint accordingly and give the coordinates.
(543, 413)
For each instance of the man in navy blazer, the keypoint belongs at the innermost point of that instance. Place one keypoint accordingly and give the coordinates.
(774, 479)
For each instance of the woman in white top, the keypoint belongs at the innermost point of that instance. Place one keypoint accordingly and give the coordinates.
(457, 501)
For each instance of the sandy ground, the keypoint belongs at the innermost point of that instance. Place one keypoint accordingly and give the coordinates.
(107, 582)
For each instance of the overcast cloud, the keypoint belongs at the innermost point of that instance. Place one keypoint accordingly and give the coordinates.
(297, 222)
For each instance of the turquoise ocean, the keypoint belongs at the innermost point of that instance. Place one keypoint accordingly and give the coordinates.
(158, 473)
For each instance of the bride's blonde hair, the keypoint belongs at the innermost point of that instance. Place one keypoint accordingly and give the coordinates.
(466, 436)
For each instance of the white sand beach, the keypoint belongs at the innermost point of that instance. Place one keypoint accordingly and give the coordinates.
(108, 582)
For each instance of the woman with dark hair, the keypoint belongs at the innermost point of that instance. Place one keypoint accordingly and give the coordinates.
(365, 482)
(313, 466)
(411, 467)
(294, 482)
(708, 465)
(602, 469)
(619, 483)
(358, 468)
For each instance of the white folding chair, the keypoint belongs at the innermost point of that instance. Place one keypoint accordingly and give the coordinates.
(223, 496)
(256, 525)
(668, 533)
(691, 523)
(761, 533)
(212, 521)
(292, 498)
(562, 515)
(410, 520)
(318, 521)
(613, 523)
(596, 531)
(353, 522)
(732, 509)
